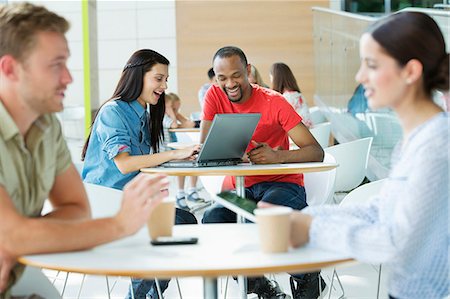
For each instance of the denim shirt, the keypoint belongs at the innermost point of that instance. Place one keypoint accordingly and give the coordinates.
(119, 127)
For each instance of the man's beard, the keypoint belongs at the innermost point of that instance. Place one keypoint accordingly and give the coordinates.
(234, 100)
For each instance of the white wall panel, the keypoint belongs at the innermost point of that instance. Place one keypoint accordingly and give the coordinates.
(116, 24)
(152, 23)
(113, 54)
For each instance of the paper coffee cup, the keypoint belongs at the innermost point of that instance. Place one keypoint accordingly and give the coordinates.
(274, 228)
(162, 219)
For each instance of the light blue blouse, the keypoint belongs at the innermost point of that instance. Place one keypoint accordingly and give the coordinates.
(407, 225)
(119, 127)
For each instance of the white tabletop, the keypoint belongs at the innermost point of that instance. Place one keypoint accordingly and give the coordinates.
(223, 249)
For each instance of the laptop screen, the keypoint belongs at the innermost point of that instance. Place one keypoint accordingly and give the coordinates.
(229, 136)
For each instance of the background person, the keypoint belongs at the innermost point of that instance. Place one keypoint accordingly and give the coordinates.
(270, 144)
(255, 77)
(174, 119)
(283, 81)
(204, 88)
(125, 137)
(403, 59)
(35, 162)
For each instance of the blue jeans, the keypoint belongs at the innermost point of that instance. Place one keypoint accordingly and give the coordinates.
(142, 287)
(278, 193)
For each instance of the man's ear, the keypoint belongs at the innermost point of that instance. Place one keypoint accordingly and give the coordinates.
(249, 69)
(9, 67)
(412, 71)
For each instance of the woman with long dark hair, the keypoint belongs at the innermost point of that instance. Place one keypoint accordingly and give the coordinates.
(283, 81)
(127, 133)
(403, 59)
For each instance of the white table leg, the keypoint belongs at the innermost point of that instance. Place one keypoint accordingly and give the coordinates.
(240, 191)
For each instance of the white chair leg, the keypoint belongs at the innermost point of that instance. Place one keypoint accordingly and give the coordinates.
(226, 288)
(107, 288)
(65, 284)
(178, 287)
(131, 288)
(81, 286)
(339, 282)
(158, 288)
(379, 282)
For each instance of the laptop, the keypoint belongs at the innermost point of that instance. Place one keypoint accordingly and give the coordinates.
(226, 142)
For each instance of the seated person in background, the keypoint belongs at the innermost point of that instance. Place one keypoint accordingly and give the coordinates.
(204, 88)
(358, 101)
(406, 225)
(125, 137)
(270, 144)
(255, 77)
(35, 162)
(174, 119)
(283, 81)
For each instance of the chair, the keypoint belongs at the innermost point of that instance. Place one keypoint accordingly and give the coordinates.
(322, 133)
(360, 195)
(104, 202)
(352, 158)
(316, 115)
(212, 185)
(319, 186)
(196, 115)
(33, 281)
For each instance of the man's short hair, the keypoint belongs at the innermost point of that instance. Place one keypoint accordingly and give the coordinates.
(19, 24)
(211, 73)
(229, 51)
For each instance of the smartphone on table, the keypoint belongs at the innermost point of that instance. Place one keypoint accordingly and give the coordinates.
(174, 240)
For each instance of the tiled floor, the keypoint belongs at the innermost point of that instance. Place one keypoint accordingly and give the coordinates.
(359, 280)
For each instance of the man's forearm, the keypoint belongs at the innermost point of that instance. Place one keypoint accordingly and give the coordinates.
(310, 153)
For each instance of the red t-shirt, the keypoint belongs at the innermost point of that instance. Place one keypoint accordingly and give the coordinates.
(277, 118)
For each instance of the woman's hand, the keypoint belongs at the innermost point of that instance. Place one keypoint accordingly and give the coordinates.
(189, 153)
(300, 225)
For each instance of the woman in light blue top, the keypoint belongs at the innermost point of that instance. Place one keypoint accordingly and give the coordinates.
(127, 134)
(403, 59)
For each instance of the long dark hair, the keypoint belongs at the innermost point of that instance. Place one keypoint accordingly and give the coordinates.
(283, 78)
(415, 35)
(129, 88)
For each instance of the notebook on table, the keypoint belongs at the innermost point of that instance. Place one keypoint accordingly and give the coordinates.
(226, 142)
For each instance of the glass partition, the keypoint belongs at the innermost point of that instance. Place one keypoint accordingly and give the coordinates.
(338, 96)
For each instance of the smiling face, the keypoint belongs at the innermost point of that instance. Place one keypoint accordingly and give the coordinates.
(43, 77)
(384, 80)
(155, 83)
(232, 77)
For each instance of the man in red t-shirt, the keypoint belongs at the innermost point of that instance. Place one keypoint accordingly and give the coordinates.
(270, 144)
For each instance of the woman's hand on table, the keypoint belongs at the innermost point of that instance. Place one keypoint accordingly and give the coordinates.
(300, 225)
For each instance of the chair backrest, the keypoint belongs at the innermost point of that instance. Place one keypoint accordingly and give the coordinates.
(363, 193)
(322, 133)
(104, 201)
(196, 115)
(212, 184)
(352, 158)
(319, 186)
(33, 281)
(316, 115)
